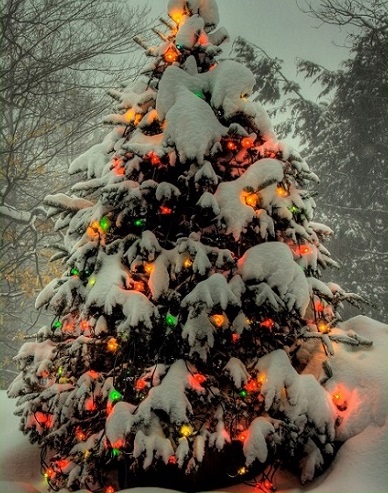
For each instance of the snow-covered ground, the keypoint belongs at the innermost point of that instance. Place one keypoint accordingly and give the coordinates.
(359, 375)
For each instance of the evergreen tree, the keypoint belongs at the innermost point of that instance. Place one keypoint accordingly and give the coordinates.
(344, 137)
(191, 299)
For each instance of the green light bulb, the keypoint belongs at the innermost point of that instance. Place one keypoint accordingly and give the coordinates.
(115, 395)
(243, 393)
(139, 223)
(199, 94)
(57, 325)
(294, 209)
(171, 321)
(116, 452)
(105, 224)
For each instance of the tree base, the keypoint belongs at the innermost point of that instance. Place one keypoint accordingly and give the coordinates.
(218, 470)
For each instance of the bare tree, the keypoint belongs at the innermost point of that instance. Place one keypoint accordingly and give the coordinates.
(58, 56)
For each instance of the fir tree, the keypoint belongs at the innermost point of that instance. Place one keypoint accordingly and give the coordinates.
(191, 299)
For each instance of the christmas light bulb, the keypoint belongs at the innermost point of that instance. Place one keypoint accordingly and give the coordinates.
(231, 145)
(74, 272)
(199, 94)
(176, 15)
(116, 452)
(305, 250)
(323, 327)
(199, 377)
(165, 210)
(154, 158)
(251, 386)
(141, 384)
(171, 55)
(281, 191)
(218, 320)
(92, 281)
(294, 209)
(109, 489)
(336, 397)
(93, 231)
(57, 325)
(241, 471)
(261, 379)
(112, 345)
(129, 115)
(242, 436)
(105, 224)
(246, 143)
(90, 405)
(243, 393)
(84, 325)
(171, 321)
(187, 263)
(319, 306)
(148, 267)
(139, 223)
(115, 395)
(49, 473)
(186, 430)
(249, 198)
(268, 485)
(203, 39)
(138, 118)
(235, 337)
(267, 323)
(138, 286)
(80, 435)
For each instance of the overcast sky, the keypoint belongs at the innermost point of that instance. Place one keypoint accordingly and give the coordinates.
(279, 27)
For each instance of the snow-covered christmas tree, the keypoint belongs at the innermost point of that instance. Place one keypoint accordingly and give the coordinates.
(191, 301)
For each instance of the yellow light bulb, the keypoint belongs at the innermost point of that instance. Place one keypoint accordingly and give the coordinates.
(187, 263)
(186, 430)
(176, 15)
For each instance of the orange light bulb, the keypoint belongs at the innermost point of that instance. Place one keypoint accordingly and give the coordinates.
(154, 158)
(242, 436)
(218, 320)
(281, 192)
(231, 145)
(148, 267)
(171, 55)
(261, 379)
(138, 286)
(250, 198)
(305, 250)
(187, 263)
(84, 325)
(246, 143)
(112, 345)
